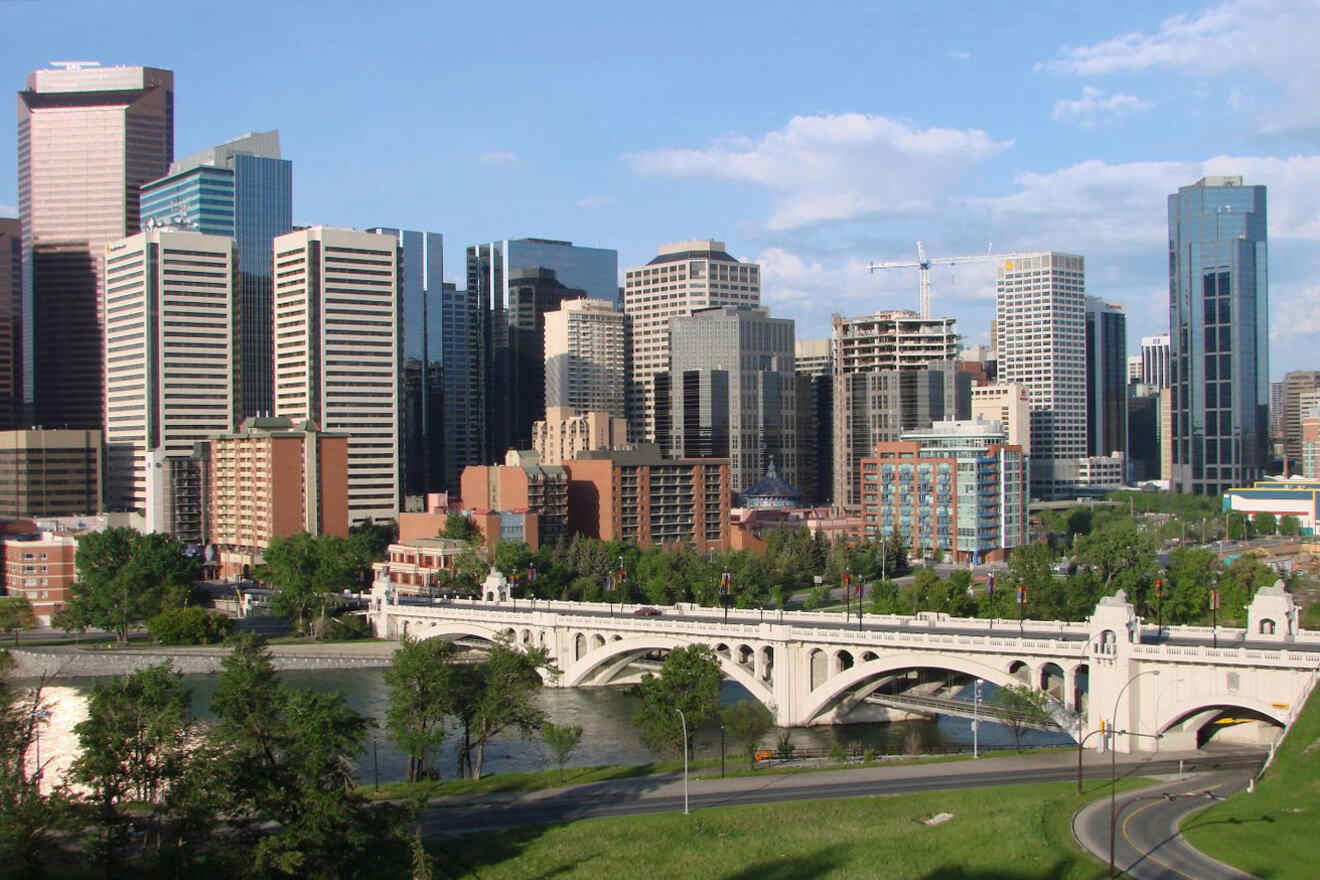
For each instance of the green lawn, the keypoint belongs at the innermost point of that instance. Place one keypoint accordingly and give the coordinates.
(1019, 832)
(1272, 832)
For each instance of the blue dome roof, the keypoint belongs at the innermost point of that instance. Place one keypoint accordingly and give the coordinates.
(771, 491)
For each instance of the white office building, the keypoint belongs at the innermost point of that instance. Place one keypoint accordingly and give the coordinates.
(586, 357)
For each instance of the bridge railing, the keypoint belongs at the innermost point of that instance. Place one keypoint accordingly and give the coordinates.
(1299, 659)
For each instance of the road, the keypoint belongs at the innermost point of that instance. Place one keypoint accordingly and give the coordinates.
(1147, 844)
(664, 793)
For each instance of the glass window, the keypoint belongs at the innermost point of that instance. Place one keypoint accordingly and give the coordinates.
(1225, 394)
(1225, 338)
(1210, 338)
(1224, 310)
(1210, 366)
(1211, 394)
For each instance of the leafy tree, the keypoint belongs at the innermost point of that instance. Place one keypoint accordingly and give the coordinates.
(368, 543)
(124, 577)
(459, 526)
(1265, 523)
(189, 625)
(562, 739)
(1290, 526)
(1192, 574)
(495, 695)
(1117, 551)
(16, 614)
(513, 557)
(1237, 526)
(747, 722)
(419, 677)
(1025, 708)
(28, 818)
(689, 680)
(309, 574)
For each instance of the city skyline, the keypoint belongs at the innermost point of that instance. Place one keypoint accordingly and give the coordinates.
(1011, 131)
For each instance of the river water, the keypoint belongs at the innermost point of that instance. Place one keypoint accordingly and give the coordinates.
(608, 735)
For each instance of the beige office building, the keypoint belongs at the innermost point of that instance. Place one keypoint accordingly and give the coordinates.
(684, 277)
(564, 433)
(50, 473)
(169, 357)
(337, 352)
(88, 138)
(1009, 404)
(585, 357)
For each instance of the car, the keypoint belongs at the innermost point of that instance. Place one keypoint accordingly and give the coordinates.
(647, 611)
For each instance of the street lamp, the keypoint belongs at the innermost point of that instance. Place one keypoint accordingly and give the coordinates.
(861, 591)
(847, 592)
(1113, 766)
(1022, 606)
(683, 720)
(1214, 618)
(976, 720)
(1159, 603)
(619, 577)
(726, 584)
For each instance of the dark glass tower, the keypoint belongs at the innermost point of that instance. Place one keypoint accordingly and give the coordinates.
(243, 189)
(1219, 329)
(1106, 378)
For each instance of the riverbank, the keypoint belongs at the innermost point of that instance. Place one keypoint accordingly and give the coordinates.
(79, 661)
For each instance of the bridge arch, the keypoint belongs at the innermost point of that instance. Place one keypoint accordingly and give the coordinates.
(584, 667)
(838, 685)
(449, 630)
(1190, 708)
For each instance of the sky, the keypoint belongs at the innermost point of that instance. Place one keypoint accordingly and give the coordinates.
(814, 139)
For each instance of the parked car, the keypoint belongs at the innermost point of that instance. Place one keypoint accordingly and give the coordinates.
(647, 611)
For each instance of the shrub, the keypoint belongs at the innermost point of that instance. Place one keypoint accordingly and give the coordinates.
(348, 626)
(189, 625)
(784, 748)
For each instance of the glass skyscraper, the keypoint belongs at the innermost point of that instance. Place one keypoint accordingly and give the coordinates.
(1219, 329)
(242, 189)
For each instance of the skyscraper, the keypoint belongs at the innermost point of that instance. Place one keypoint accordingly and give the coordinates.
(462, 421)
(813, 365)
(684, 277)
(337, 352)
(11, 322)
(1296, 384)
(242, 189)
(1040, 306)
(1155, 360)
(585, 357)
(1219, 334)
(170, 363)
(1106, 378)
(88, 138)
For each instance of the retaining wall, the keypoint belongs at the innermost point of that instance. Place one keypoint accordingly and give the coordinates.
(61, 663)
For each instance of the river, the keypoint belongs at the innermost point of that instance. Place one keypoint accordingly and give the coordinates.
(608, 735)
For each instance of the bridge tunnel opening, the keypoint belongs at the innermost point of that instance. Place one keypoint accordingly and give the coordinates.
(1228, 726)
(1052, 680)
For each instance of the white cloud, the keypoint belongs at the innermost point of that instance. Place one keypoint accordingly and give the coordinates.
(960, 55)
(1095, 106)
(595, 201)
(500, 157)
(825, 168)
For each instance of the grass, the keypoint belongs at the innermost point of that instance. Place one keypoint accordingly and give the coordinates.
(1020, 832)
(1272, 832)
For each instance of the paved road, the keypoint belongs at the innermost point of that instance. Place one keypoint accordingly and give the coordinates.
(1147, 844)
(655, 794)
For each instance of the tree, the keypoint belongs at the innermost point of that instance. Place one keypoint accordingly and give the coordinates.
(496, 695)
(16, 614)
(689, 680)
(459, 526)
(1265, 523)
(1025, 707)
(189, 626)
(419, 678)
(562, 740)
(368, 543)
(1290, 526)
(747, 722)
(309, 573)
(125, 577)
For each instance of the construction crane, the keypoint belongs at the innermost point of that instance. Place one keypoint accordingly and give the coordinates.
(924, 263)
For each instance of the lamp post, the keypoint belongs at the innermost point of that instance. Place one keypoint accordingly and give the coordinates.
(1159, 604)
(375, 762)
(721, 750)
(1113, 765)
(847, 592)
(861, 590)
(1022, 607)
(683, 720)
(726, 584)
(1214, 616)
(976, 719)
(620, 576)
(531, 581)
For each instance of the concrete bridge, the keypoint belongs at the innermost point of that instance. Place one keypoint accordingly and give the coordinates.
(816, 668)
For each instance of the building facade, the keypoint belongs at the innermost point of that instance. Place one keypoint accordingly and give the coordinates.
(1294, 497)
(337, 352)
(11, 323)
(685, 276)
(1040, 306)
(813, 365)
(1297, 384)
(1219, 334)
(1009, 404)
(1310, 462)
(1155, 361)
(462, 418)
(89, 137)
(586, 357)
(40, 568)
(522, 484)
(242, 189)
(171, 366)
(565, 433)
(50, 473)
(956, 492)
(1106, 378)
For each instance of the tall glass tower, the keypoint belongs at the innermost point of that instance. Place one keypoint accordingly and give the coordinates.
(242, 189)
(1219, 329)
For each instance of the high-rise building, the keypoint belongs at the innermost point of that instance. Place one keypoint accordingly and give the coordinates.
(893, 371)
(684, 277)
(1009, 404)
(813, 364)
(462, 419)
(511, 285)
(1040, 304)
(586, 357)
(88, 138)
(422, 355)
(566, 433)
(171, 370)
(1134, 369)
(11, 322)
(337, 352)
(1219, 334)
(1106, 378)
(522, 483)
(1155, 360)
(244, 190)
(50, 473)
(1310, 463)
(994, 337)
(1296, 384)
(1276, 416)
(755, 417)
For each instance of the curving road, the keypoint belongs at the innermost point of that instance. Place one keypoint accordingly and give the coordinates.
(1147, 844)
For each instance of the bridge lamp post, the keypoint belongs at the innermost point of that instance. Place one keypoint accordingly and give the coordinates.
(1022, 606)
(683, 720)
(726, 585)
(1159, 604)
(976, 718)
(1113, 766)
(861, 590)
(1214, 616)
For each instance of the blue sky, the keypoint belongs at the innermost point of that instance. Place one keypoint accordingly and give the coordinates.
(811, 138)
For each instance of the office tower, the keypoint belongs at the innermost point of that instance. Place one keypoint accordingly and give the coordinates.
(1219, 334)
(1144, 436)
(757, 418)
(894, 371)
(337, 352)
(566, 433)
(1009, 404)
(586, 357)
(1310, 463)
(994, 337)
(171, 375)
(88, 138)
(1155, 361)
(1296, 383)
(956, 491)
(1134, 369)
(813, 364)
(1040, 304)
(11, 322)
(511, 285)
(1106, 378)
(242, 189)
(683, 277)
(422, 355)
(1276, 416)
(50, 473)
(462, 418)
